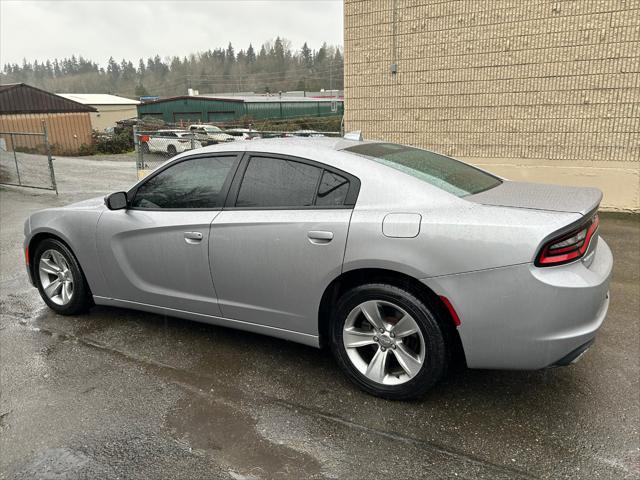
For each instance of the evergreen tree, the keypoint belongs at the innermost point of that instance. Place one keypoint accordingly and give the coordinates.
(140, 91)
(306, 56)
(275, 68)
(251, 55)
(230, 55)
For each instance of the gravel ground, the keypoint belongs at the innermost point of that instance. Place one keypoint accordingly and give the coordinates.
(121, 394)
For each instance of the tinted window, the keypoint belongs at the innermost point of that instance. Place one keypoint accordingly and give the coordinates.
(333, 189)
(273, 182)
(193, 183)
(441, 171)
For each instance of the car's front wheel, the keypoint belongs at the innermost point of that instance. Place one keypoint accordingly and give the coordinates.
(388, 341)
(59, 278)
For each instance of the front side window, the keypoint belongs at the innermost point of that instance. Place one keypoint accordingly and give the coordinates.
(274, 182)
(441, 171)
(195, 183)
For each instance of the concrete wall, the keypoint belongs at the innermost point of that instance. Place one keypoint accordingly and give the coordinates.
(108, 115)
(533, 90)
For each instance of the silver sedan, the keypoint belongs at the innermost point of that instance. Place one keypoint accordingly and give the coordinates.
(399, 259)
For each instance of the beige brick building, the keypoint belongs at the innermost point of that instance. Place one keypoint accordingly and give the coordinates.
(533, 90)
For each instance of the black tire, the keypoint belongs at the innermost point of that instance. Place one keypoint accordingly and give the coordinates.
(171, 150)
(81, 299)
(145, 147)
(437, 351)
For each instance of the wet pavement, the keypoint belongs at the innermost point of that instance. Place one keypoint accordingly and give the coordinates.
(121, 394)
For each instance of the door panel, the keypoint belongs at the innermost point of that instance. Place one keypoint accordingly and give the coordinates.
(158, 258)
(271, 266)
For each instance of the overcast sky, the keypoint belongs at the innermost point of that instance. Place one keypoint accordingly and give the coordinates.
(97, 29)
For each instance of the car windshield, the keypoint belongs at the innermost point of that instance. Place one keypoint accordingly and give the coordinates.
(211, 128)
(438, 170)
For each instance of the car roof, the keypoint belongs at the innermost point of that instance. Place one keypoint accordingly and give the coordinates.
(381, 183)
(327, 150)
(291, 145)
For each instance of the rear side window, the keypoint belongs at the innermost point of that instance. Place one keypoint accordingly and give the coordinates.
(333, 189)
(275, 182)
(441, 171)
(195, 183)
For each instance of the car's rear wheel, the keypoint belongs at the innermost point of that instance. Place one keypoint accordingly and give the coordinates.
(388, 341)
(171, 150)
(59, 278)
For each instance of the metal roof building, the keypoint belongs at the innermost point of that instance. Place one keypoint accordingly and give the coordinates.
(109, 108)
(221, 108)
(98, 99)
(24, 108)
(20, 98)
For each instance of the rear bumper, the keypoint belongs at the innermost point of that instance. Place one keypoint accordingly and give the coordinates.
(574, 355)
(525, 317)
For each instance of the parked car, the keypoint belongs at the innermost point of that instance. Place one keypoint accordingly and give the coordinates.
(171, 142)
(307, 133)
(397, 258)
(243, 133)
(211, 133)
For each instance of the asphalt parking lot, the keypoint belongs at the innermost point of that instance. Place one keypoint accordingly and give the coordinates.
(121, 394)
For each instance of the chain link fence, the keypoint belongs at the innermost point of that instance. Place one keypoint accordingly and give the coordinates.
(156, 145)
(25, 160)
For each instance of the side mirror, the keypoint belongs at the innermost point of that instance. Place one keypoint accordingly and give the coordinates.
(116, 201)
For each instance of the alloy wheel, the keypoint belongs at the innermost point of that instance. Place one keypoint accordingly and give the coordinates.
(384, 342)
(56, 277)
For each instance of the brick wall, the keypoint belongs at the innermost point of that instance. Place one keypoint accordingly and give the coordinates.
(513, 84)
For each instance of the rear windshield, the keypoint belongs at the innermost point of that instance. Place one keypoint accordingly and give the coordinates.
(438, 170)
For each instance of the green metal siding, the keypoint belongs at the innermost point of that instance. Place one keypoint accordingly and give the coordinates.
(195, 109)
(208, 110)
(285, 109)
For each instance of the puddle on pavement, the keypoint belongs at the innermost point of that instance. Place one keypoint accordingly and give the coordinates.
(224, 432)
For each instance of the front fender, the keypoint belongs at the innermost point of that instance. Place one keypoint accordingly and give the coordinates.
(76, 228)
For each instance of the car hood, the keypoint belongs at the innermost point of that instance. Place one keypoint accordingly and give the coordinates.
(538, 196)
(90, 204)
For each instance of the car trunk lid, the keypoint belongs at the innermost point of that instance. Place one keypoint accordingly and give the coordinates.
(538, 196)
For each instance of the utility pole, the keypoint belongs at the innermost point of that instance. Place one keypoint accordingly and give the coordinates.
(331, 75)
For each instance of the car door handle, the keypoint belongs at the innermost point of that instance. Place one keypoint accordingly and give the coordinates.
(192, 237)
(320, 236)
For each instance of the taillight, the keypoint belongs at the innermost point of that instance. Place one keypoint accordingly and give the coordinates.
(569, 246)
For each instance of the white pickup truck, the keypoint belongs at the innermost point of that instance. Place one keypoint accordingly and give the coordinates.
(212, 133)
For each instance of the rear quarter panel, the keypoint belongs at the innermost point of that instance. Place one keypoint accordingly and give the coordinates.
(455, 235)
